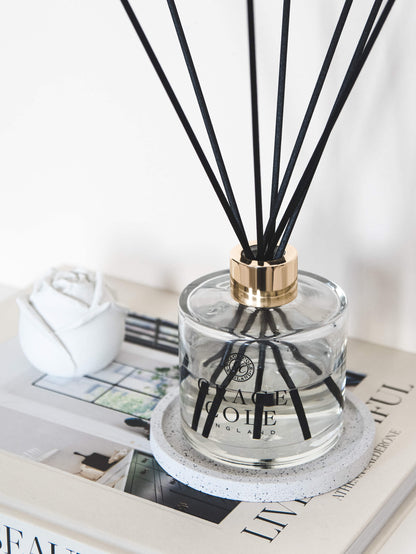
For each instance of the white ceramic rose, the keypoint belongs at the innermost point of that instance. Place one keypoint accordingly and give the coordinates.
(70, 325)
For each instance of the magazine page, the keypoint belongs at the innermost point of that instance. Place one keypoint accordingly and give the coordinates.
(50, 417)
(88, 426)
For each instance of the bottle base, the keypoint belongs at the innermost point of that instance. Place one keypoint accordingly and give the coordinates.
(262, 456)
(339, 465)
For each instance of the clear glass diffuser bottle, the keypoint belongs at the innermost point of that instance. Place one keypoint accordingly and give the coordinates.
(262, 352)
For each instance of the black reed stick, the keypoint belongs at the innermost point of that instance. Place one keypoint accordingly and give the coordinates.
(344, 93)
(250, 322)
(189, 131)
(204, 112)
(293, 391)
(260, 367)
(360, 47)
(262, 399)
(292, 212)
(255, 131)
(280, 102)
(267, 241)
(360, 56)
(306, 120)
(221, 389)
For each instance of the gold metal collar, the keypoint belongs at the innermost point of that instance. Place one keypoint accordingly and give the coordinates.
(270, 285)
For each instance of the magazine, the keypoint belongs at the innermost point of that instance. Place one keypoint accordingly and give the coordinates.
(96, 429)
(121, 395)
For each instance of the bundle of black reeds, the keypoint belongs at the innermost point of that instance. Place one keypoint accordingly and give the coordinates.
(273, 238)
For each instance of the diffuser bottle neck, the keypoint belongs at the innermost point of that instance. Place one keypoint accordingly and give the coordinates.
(272, 284)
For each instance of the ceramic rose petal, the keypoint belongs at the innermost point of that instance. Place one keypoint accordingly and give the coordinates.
(70, 325)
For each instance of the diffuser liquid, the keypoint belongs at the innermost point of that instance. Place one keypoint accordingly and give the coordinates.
(281, 442)
(262, 387)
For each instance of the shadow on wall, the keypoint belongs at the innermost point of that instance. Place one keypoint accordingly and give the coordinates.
(377, 295)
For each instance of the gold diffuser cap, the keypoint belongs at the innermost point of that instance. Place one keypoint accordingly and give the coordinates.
(264, 286)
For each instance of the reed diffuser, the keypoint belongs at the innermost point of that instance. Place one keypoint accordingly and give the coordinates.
(262, 346)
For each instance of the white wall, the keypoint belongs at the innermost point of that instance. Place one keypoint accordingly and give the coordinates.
(96, 170)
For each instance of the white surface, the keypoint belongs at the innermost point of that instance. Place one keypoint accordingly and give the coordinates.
(340, 465)
(96, 170)
(6, 291)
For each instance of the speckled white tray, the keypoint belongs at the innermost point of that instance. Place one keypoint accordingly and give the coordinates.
(339, 466)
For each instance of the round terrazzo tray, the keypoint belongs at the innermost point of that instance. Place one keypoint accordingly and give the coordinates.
(335, 468)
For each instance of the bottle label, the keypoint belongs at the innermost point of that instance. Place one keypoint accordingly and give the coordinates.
(245, 370)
